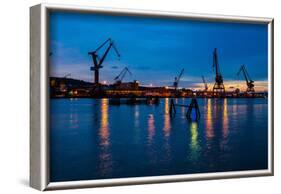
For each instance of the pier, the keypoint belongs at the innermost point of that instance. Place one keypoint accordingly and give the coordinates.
(193, 106)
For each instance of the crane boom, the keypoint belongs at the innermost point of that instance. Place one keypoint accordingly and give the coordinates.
(67, 75)
(122, 74)
(205, 84)
(108, 40)
(249, 81)
(177, 79)
(242, 69)
(180, 75)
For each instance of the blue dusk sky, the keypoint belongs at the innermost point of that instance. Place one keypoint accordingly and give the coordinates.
(156, 49)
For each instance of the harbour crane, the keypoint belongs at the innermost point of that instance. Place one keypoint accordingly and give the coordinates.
(205, 84)
(218, 88)
(249, 81)
(122, 74)
(67, 75)
(177, 80)
(97, 60)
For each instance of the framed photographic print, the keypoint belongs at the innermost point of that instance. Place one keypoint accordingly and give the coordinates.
(124, 97)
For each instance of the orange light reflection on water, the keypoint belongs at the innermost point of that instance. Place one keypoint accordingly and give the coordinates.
(167, 119)
(167, 131)
(104, 130)
(225, 119)
(209, 120)
(105, 154)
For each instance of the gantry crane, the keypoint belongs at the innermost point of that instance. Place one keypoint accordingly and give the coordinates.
(67, 75)
(249, 81)
(122, 74)
(177, 80)
(205, 84)
(97, 60)
(218, 88)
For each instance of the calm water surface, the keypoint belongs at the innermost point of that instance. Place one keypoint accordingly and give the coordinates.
(91, 139)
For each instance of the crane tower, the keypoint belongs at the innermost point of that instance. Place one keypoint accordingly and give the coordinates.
(218, 88)
(97, 60)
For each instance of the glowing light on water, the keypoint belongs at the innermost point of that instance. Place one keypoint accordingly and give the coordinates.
(73, 120)
(194, 135)
(194, 146)
(209, 120)
(167, 131)
(137, 116)
(104, 130)
(105, 154)
(167, 119)
(151, 127)
(225, 119)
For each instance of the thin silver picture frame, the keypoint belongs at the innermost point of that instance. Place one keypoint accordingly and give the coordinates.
(39, 98)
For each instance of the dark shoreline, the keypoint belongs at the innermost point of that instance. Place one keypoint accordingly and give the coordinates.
(141, 97)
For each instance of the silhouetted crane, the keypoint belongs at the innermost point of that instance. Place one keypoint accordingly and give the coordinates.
(205, 84)
(97, 60)
(218, 87)
(249, 81)
(177, 79)
(122, 74)
(67, 75)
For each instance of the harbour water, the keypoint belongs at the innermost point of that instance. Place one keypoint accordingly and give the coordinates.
(90, 139)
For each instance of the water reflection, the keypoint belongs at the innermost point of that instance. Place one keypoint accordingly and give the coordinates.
(73, 117)
(123, 141)
(73, 120)
(194, 146)
(194, 135)
(167, 131)
(235, 109)
(167, 119)
(137, 117)
(104, 134)
(151, 128)
(104, 131)
(225, 119)
(209, 120)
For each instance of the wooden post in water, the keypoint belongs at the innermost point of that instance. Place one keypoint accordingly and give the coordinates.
(193, 105)
(156, 100)
(172, 109)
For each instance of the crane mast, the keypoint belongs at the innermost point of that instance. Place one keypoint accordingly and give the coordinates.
(98, 61)
(218, 88)
(249, 81)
